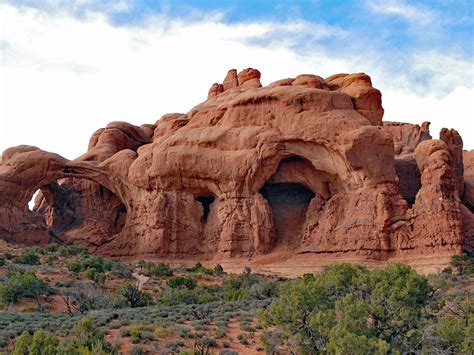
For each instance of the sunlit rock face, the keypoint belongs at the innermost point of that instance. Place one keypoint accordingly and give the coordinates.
(303, 165)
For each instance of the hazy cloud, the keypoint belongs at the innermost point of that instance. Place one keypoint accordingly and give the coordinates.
(421, 14)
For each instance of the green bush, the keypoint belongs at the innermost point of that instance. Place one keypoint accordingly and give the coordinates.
(158, 270)
(248, 286)
(72, 250)
(51, 259)
(88, 261)
(180, 282)
(198, 295)
(136, 350)
(51, 248)
(95, 276)
(28, 257)
(218, 269)
(87, 338)
(330, 311)
(133, 297)
(2, 261)
(200, 269)
(464, 263)
(74, 266)
(23, 284)
(140, 332)
(41, 343)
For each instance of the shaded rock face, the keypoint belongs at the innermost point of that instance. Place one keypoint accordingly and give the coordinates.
(303, 165)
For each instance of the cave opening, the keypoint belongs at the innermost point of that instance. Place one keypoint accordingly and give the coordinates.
(289, 202)
(205, 201)
(409, 179)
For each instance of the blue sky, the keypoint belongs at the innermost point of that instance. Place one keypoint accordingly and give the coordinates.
(419, 53)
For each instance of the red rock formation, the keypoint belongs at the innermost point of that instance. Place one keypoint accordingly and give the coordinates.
(303, 165)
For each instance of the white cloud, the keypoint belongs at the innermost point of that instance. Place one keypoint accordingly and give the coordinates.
(63, 78)
(455, 110)
(420, 14)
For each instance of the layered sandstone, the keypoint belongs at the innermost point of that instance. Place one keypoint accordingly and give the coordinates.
(304, 165)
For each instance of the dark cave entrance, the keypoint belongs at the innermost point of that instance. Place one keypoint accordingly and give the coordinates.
(409, 179)
(205, 201)
(289, 202)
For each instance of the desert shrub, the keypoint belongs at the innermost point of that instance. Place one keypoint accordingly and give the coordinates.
(218, 270)
(51, 248)
(228, 351)
(74, 266)
(88, 261)
(28, 257)
(182, 282)
(200, 269)
(73, 250)
(220, 333)
(200, 326)
(135, 333)
(247, 326)
(95, 276)
(160, 269)
(83, 296)
(41, 343)
(464, 263)
(136, 350)
(7, 255)
(101, 277)
(271, 341)
(243, 339)
(25, 284)
(133, 297)
(199, 295)
(121, 270)
(248, 286)
(95, 262)
(453, 330)
(86, 338)
(91, 274)
(125, 332)
(2, 261)
(330, 311)
(51, 259)
(174, 345)
(63, 251)
(183, 332)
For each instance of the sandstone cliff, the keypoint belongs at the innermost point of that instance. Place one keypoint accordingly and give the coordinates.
(304, 165)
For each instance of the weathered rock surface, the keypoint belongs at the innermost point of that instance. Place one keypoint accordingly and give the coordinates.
(303, 165)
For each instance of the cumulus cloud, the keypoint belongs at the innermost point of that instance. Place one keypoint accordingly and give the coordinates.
(63, 77)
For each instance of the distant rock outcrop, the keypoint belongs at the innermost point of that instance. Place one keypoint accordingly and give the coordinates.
(303, 165)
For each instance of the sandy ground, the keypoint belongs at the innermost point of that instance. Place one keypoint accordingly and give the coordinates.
(288, 264)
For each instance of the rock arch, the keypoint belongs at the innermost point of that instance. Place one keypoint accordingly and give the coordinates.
(26, 170)
(73, 208)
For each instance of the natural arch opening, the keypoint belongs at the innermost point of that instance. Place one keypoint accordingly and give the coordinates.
(37, 195)
(289, 202)
(205, 201)
(80, 209)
